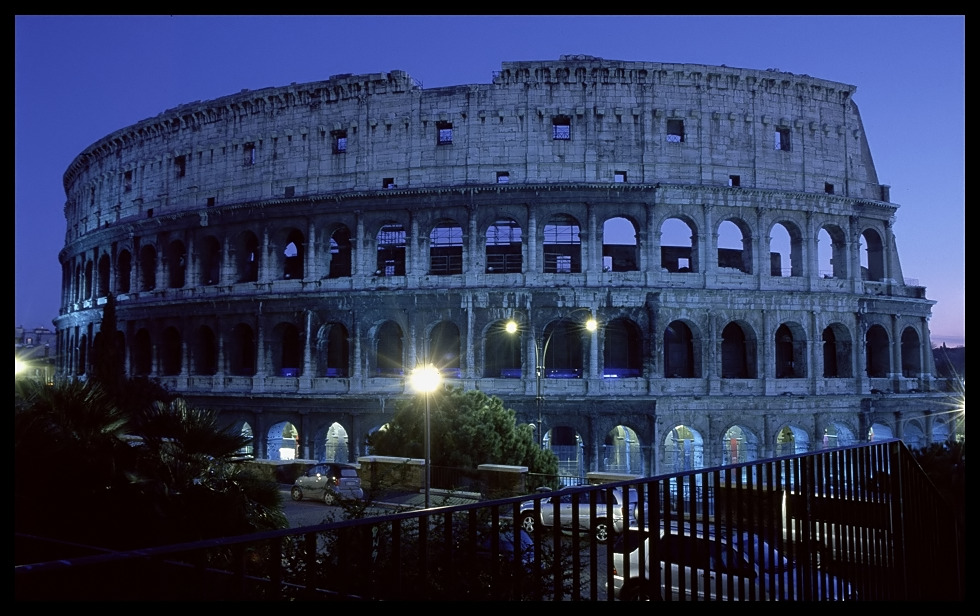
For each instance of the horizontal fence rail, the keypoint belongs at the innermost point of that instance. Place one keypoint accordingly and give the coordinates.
(854, 523)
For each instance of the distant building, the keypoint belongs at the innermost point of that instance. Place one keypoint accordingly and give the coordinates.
(34, 353)
(287, 255)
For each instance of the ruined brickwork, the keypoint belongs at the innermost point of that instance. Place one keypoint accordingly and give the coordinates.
(290, 254)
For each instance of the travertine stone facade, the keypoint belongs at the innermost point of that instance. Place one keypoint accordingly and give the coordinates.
(288, 254)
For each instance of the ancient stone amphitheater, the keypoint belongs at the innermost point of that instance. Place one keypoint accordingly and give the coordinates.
(287, 256)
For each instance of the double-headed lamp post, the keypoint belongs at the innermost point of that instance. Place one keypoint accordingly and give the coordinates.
(426, 379)
(540, 352)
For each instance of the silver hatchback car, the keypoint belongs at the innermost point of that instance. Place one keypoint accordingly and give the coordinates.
(329, 481)
(558, 508)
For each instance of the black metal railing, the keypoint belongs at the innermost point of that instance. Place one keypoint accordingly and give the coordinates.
(861, 522)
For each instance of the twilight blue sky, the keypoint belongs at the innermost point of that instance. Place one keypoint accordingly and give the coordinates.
(79, 78)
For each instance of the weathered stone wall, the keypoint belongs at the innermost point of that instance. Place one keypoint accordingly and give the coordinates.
(189, 219)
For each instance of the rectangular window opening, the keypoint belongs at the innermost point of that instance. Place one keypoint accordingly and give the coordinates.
(828, 188)
(339, 141)
(734, 180)
(503, 177)
(210, 201)
(128, 182)
(388, 183)
(562, 128)
(290, 191)
(444, 132)
(619, 177)
(675, 131)
(180, 166)
(781, 139)
(249, 151)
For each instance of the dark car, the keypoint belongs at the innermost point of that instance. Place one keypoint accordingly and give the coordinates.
(689, 564)
(329, 481)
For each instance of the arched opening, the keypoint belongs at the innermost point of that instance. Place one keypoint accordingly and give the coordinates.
(683, 450)
(622, 351)
(791, 440)
(785, 250)
(831, 252)
(679, 352)
(502, 352)
(678, 246)
(282, 441)
(176, 263)
(878, 361)
(124, 269)
(247, 250)
(210, 261)
(249, 448)
(341, 253)
(621, 452)
(444, 347)
(739, 445)
(334, 351)
(504, 248)
(287, 351)
(880, 432)
(569, 448)
(446, 249)
(790, 352)
(241, 351)
(734, 249)
(619, 251)
(562, 246)
(872, 256)
(391, 250)
(293, 255)
(389, 356)
(148, 268)
(737, 356)
(563, 350)
(335, 445)
(205, 352)
(142, 353)
(104, 272)
(170, 352)
(911, 353)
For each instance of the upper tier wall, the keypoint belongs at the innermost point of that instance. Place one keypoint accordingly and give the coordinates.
(643, 122)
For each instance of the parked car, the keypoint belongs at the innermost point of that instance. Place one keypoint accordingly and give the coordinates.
(744, 567)
(560, 505)
(328, 481)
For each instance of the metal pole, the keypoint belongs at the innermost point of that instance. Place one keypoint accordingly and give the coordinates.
(537, 399)
(428, 457)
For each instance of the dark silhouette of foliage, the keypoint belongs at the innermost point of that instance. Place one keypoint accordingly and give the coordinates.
(108, 367)
(467, 428)
(92, 472)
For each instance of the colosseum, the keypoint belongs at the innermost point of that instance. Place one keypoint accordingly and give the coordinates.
(287, 256)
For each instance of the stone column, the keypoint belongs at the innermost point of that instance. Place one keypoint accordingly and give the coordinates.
(265, 266)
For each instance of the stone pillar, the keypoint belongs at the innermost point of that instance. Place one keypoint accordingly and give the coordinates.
(193, 265)
(311, 261)
(532, 244)
(308, 372)
(265, 273)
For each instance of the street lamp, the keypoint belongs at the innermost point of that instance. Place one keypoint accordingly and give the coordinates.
(426, 379)
(540, 353)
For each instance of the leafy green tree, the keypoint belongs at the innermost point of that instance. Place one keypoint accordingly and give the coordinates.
(467, 428)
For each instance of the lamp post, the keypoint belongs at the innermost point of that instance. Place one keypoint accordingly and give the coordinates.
(540, 354)
(426, 379)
